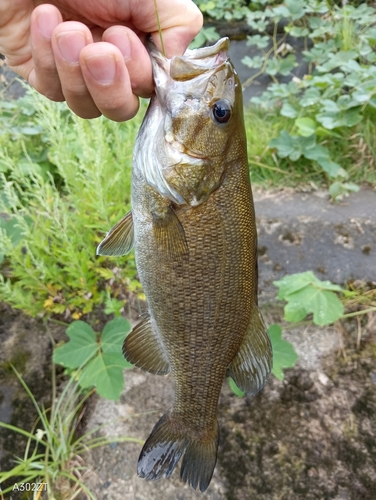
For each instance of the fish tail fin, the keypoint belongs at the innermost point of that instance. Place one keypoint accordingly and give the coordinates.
(199, 461)
(162, 450)
(165, 446)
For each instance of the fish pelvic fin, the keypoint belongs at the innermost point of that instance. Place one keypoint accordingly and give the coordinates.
(144, 348)
(166, 444)
(119, 240)
(253, 363)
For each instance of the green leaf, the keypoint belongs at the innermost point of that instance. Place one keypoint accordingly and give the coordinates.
(253, 62)
(235, 389)
(284, 144)
(12, 228)
(114, 334)
(288, 110)
(306, 126)
(105, 372)
(297, 31)
(305, 294)
(347, 118)
(259, 40)
(284, 66)
(332, 168)
(296, 8)
(81, 347)
(311, 96)
(101, 360)
(292, 146)
(338, 189)
(284, 355)
(317, 153)
(207, 6)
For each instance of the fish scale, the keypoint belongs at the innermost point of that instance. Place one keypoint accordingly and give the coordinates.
(194, 234)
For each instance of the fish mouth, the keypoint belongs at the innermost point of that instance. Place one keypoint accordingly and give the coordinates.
(193, 63)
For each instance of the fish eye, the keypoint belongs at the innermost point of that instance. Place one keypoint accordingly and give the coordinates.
(222, 111)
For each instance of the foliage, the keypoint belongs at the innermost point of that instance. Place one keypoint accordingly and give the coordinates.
(284, 355)
(61, 189)
(306, 294)
(339, 91)
(228, 10)
(53, 455)
(206, 35)
(99, 357)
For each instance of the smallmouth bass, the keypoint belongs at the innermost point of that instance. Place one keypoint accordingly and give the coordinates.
(193, 229)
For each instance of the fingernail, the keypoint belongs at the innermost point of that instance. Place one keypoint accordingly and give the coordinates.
(47, 22)
(122, 42)
(102, 68)
(70, 45)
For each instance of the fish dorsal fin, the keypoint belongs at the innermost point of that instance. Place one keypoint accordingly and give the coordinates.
(169, 234)
(144, 348)
(252, 365)
(119, 241)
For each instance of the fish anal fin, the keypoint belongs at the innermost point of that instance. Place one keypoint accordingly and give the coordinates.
(168, 441)
(253, 363)
(144, 349)
(169, 234)
(119, 240)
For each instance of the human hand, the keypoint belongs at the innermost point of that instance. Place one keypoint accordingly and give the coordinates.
(52, 46)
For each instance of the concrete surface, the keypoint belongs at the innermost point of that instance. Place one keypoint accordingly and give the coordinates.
(305, 231)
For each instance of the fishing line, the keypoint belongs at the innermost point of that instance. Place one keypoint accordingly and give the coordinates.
(159, 28)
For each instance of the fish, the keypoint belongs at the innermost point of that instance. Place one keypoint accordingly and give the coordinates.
(192, 226)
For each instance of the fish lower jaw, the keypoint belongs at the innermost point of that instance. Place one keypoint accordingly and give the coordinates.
(175, 146)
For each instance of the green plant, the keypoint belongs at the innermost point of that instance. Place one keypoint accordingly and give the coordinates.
(54, 456)
(228, 10)
(51, 222)
(305, 294)
(98, 357)
(337, 94)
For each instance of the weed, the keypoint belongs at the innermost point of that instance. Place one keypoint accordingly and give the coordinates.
(54, 455)
(52, 220)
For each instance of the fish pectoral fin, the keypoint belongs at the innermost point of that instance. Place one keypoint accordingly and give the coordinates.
(119, 241)
(253, 363)
(169, 234)
(144, 348)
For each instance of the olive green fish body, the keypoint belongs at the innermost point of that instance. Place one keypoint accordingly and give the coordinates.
(194, 235)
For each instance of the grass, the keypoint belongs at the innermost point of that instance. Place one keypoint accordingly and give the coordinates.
(54, 455)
